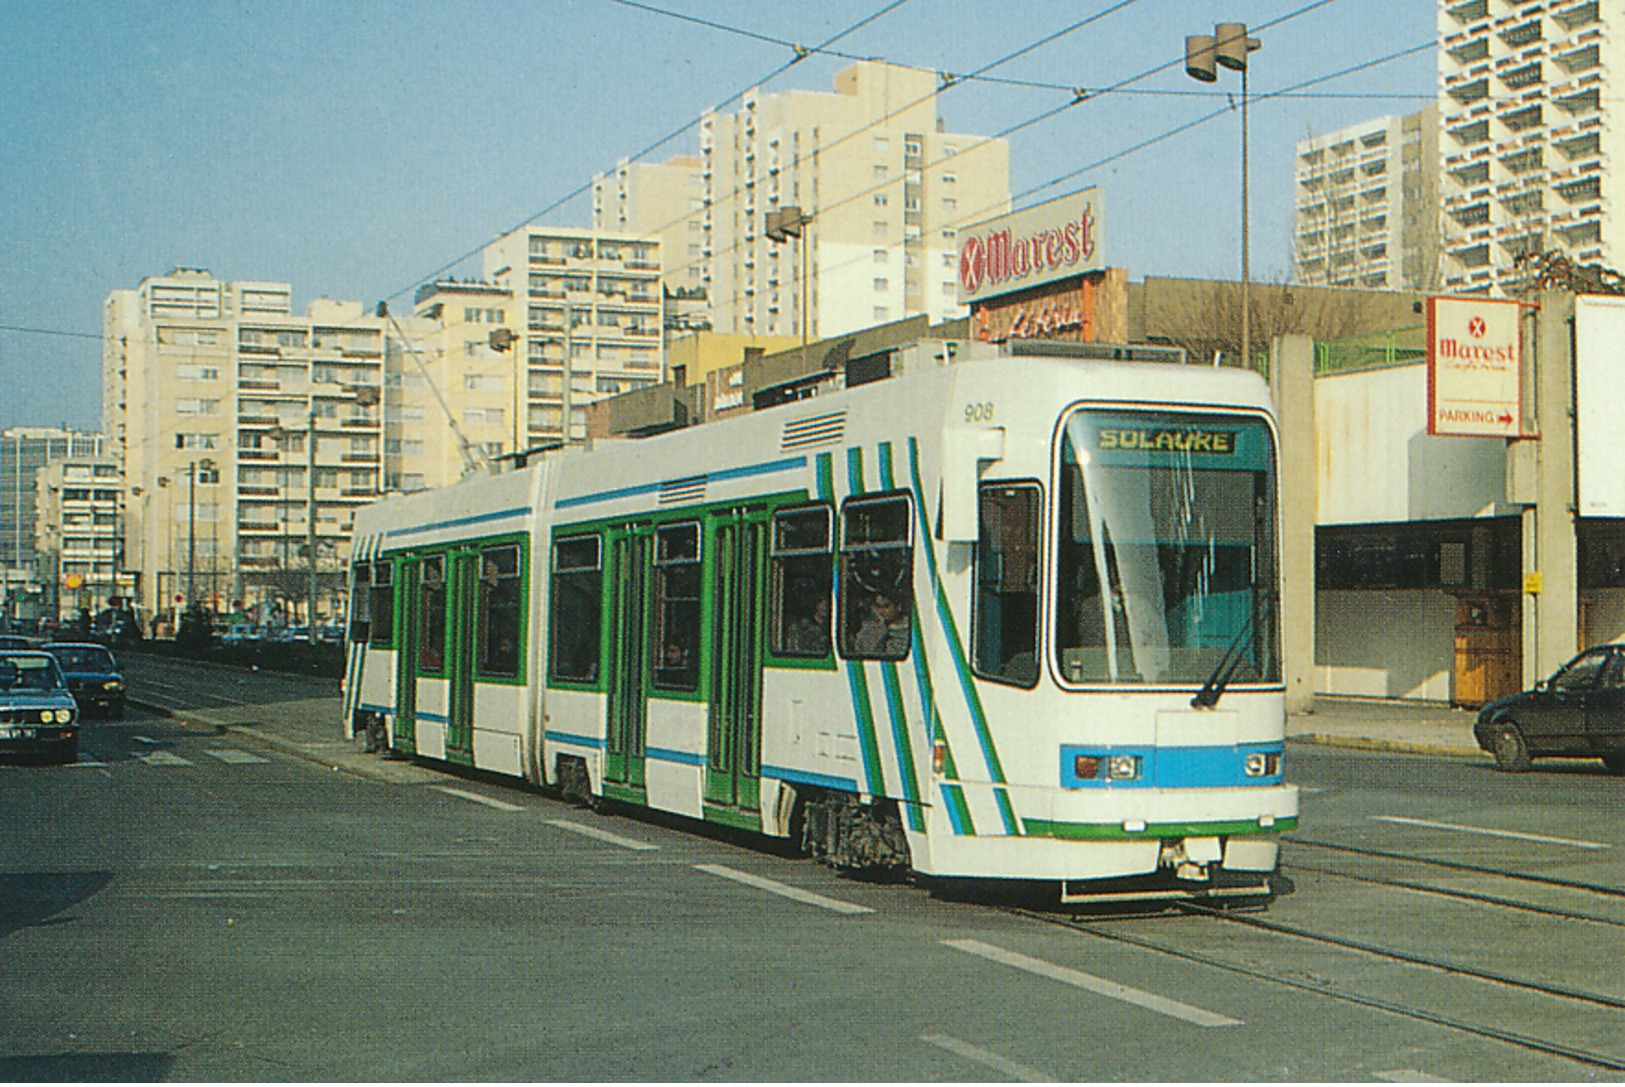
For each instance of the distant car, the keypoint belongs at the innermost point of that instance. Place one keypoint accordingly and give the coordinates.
(93, 676)
(240, 634)
(1579, 713)
(15, 641)
(37, 712)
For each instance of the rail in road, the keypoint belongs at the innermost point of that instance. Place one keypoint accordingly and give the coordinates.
(174, 683)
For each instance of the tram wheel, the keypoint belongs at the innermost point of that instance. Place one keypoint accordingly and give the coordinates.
(1511, 751)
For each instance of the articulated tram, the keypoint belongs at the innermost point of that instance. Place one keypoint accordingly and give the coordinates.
(1008, 618)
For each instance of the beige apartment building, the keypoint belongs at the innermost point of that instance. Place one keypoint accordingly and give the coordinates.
(561, 317)
(885, 189)
(78, 545)
(245, 433)
(1532, 111)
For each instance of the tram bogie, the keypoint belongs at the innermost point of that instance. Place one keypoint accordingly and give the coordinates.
(1011, 619)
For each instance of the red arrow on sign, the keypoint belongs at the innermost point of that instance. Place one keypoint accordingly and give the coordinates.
(1505, 418)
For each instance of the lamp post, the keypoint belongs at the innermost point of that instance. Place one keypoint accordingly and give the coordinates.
(1228, 47)
(781, 225)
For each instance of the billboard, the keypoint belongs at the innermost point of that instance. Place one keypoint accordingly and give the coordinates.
(1599, 359)
(1052, 241)
(1475, 368)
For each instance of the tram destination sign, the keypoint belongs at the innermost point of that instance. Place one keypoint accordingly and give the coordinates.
(1052, 241)
(1475, 368)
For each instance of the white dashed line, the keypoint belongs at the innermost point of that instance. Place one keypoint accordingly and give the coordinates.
(990, 1060)
(1491, 833)
(500, 805)
(1101, 986)
(1408, 1075)
(235, 757)
(164, 758)
(782, 889)
(600, 835)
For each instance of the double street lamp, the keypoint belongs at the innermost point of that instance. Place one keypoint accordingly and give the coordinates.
(781, 225)
(1227, 47)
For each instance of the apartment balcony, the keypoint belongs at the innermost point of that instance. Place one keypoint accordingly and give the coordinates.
(244, 491)
(359, 458)
(1572, 16)
(257, 420)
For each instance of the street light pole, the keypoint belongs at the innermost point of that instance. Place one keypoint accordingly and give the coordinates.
(1228, 47)
(310, 525)
(191, 534)
(783, 224)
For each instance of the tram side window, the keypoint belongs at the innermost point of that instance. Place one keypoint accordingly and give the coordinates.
(432, 614)
(877, 590)
(803, 568)
(360, 598)
(578, 592)
(676, 645)
(382, 605)
(1004, 632)
(499, 611)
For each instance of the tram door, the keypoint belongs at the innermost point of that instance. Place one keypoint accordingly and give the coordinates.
(734, 734)
(407, 641)
(460, 638)
(628, 656)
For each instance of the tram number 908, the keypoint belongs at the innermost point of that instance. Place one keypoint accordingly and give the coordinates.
(979, 413)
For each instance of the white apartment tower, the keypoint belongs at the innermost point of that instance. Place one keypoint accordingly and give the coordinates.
(885, 187)
(244, 433)
(1532, 113)
(1367, 205)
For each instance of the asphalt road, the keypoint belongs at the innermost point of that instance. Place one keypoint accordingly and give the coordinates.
(188, 906)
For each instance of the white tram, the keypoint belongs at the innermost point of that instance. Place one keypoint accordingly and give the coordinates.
(1006, 618)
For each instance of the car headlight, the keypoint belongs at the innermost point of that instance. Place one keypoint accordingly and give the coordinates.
(113, 685)
(45, 716)
(64, 716)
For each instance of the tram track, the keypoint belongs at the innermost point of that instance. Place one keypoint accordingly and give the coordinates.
(1602, 889)
(1344, 995)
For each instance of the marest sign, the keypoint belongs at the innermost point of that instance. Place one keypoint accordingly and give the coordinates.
(1475, 368)
(1042, 244)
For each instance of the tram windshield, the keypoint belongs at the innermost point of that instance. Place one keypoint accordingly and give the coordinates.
(1166, 560)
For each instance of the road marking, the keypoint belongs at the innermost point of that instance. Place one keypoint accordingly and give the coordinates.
(500, 805)
(90, 763)
(1117, 991)
(143, 739)
(1492, 833)
(991, 1060)
(235, 757)
(1408, 1075)
(164, 758)
(600, 835)
(782, 889)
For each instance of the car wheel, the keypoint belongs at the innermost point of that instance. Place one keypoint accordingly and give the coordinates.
(1615, 761)
(1511, 752)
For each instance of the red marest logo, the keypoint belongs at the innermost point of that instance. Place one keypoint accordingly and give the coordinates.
(1476, 328)
(1002, 255)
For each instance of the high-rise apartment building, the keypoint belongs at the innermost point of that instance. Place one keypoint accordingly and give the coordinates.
(1532, 111)
(246, 434)
(78, 537)
(562, 317)
(24, 593)
(885, 189)
(1367, 205)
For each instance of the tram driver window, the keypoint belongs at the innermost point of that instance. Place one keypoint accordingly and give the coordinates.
(578, 592)
(676, 645)
(381, 607)
(803, 567)
(360, 597)
(499, 611)
(1004, 634)
(877, 590)
(432, 614)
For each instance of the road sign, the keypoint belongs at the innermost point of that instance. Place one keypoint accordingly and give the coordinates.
(1475, 368)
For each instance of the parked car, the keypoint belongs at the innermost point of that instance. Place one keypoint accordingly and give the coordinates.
(241, 634)
(15, 641)
(93, 676)
(37, 712)
(1579, 712)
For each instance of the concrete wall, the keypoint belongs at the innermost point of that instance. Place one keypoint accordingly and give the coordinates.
(1604, 616)
(1391, 644)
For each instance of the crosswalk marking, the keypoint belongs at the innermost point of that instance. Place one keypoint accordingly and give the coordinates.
(463, 794)
(773, 886)
(601, 835)
(164, 758)
(235, 757)
(1001, 1065)
(1409, 1075)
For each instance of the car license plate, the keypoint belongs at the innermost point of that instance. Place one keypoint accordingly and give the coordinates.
(16, 734)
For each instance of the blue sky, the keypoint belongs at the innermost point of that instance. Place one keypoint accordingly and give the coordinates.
(352, 149)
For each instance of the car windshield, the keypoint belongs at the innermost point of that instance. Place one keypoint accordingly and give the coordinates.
(84, 659)
(28, 674)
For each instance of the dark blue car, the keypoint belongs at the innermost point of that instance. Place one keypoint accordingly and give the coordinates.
(93, 676)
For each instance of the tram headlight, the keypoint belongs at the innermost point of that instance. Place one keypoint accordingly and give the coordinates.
(1123, 768)
(1263, 764)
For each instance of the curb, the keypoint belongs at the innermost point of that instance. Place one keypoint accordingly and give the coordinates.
(1394, 747)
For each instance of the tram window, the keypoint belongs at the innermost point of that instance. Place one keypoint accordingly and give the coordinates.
(803, 562)
(382, 605)
(578, 592)
(432, 614)
(877, 590)
(360, 598)
(1004, 630)
(676, 645)
(499, 611)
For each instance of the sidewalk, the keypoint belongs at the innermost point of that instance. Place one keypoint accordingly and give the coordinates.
(309, 729)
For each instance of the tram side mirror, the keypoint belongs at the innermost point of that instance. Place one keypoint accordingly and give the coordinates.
(965, 451)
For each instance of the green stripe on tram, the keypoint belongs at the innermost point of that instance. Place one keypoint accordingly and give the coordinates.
(875, 781)
(1050, 828)
(894, 689)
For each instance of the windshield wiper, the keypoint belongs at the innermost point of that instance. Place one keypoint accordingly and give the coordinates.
(1245, 638)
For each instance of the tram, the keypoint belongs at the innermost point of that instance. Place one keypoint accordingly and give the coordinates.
(1006, 616)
